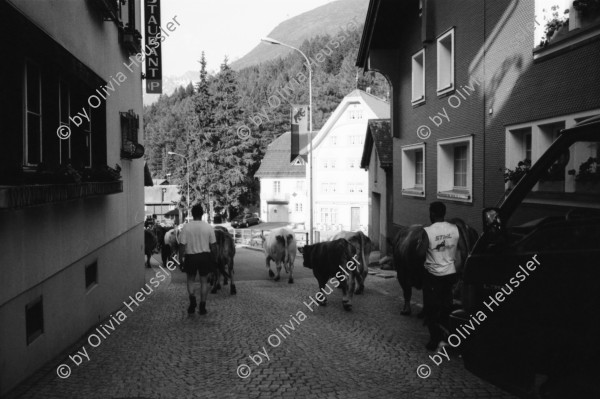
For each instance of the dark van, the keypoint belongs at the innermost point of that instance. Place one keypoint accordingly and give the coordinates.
(530, 317)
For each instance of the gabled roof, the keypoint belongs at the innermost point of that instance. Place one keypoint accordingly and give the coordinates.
(379, 107)
(276, 162)
(154, 195)
(379, 133)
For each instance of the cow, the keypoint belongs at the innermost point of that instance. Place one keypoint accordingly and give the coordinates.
(410, 249)
(149, 245)
(363, 246)
(334, 259)
(225, 255)
(280, 247)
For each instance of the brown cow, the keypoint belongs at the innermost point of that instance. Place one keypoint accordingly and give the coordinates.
(225, 255)
(363, 246)
(333, 260)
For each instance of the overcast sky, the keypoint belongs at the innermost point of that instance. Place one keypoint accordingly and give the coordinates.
(221, 27)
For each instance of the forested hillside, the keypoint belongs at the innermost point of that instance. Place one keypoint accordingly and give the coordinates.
(202, 122)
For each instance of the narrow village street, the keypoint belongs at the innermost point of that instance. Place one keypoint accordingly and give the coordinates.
(160, 352)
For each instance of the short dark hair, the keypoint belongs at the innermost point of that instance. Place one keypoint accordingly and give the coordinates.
(437, 209)
(197, 211)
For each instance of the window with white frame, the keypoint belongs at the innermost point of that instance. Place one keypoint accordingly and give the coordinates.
(300, 185)
(352, 163)
(519, 145)
(351, 187)
(325, 163)
(445, 64)
(333, 215)
(418, 77)
(276, 187)
(333, 140)
(455, 168)
(413, 170)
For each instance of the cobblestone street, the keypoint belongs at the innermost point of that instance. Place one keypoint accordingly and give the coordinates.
(160, 352)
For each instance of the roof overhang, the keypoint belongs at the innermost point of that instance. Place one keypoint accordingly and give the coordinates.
(382, 27)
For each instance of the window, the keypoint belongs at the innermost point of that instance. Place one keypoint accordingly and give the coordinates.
(413, 170)
(445, 65)
(87, 135)
(419, 174)
(527, 146)
(460, 166)
(91, 275)
(455, 160)
(33, 115)
(375, 168)
(333, 215)
(34, 319)
(276, 187)
(325, 164)
(418, 77)
(352, 163)
(333, 140)
(356, 139)
(300, 185)
(130, 125)
(298, 207)
(64, 105)
(332, 163)
(324, 216)
(351, 187)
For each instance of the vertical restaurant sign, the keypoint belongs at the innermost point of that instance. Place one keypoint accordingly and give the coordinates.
(298, 128)
(154, 60)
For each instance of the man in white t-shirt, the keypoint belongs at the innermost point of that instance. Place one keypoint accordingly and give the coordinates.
(441, 273)
(198, 242)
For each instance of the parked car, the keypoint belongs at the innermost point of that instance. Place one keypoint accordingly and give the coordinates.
(245, 220)
(531, 296)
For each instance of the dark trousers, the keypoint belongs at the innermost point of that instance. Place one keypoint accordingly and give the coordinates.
(437, 302)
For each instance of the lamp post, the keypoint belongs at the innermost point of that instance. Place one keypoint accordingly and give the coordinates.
(310, 128)
(188, 180)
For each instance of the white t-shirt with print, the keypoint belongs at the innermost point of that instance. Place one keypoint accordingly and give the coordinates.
(443, 241)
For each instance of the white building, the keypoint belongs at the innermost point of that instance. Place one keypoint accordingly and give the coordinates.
(283, 186)
(72, 241)
(341, 196)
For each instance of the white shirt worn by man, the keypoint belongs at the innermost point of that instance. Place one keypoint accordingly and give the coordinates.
(197, 236)
(443, 241)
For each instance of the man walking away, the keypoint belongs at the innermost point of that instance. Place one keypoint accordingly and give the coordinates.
(197, 241)
(441, 273)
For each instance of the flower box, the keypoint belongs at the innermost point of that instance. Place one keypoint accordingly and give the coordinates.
(12, 197)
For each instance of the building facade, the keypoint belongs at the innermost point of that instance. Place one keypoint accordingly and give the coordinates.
(377, 161)
(72, 218)
(341, 196)
(283, 186)
(474, 93)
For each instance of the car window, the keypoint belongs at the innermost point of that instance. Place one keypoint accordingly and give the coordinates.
(562, 211)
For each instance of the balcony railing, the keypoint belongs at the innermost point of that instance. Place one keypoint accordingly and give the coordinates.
(12, 197)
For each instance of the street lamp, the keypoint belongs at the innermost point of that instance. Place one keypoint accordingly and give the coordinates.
(310, 128)
(188, 180)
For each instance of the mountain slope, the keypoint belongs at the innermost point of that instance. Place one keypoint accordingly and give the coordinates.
(328, 19)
